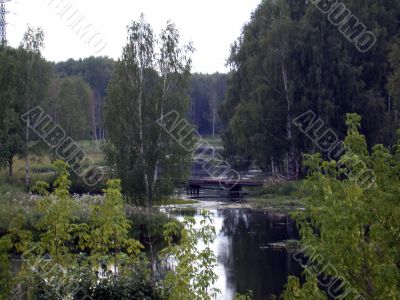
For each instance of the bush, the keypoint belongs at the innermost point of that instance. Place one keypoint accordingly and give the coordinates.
(12, 203)
(7, 187)
(135, 285)
(147, 224)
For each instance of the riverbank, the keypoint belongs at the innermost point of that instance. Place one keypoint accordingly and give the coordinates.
(280, 196)
(284, 204)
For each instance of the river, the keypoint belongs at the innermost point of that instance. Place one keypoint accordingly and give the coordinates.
(246, 262)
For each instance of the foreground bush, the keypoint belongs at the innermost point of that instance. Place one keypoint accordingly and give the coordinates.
(86, 249)
(350, 230)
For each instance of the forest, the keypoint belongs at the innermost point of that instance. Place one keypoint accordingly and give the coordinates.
(288, 60)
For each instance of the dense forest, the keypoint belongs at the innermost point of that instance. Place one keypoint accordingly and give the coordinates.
(290, 59)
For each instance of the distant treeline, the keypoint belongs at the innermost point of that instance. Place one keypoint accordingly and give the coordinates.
(95, 73)
(207, 92)
(74, 93)
(290, 58)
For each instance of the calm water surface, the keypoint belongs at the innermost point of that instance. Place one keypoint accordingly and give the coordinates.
(245, 262)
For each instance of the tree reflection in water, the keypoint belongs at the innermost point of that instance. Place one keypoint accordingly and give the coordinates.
(247, 263)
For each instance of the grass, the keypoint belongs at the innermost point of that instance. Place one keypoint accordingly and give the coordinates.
(42, 169)
(177, 201)
(94, 149)
(276, 203)
(14, 201)
(183, 211)
(278, 196)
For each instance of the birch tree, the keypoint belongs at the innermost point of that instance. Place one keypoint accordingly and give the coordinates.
(150, 80)
(32, 43)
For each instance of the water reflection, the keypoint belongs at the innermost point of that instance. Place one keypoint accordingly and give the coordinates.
(249, 264)
(245, 262)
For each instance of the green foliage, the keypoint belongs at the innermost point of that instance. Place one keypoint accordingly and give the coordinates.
(149, 82)
(192, 272)
(53, 260)
(41, 188)
(20, 238)
(147, 225)
(8, 188)
(247, 296)
(34, 78)
(110, 227)
(56, 223)
(178, 201)
(6, 277)
(11, 142)
(70, 250)
(310, 290)
(96, 71)
(290, 59)
(70, 100)
(282, 188)
(89, 75)
(133, 285)
(62, 182)
(350, 230)
(14, 202)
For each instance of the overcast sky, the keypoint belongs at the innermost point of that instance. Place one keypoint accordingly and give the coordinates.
(212, 25)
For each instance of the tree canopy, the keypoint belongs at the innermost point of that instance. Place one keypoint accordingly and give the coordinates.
(150, 81)
(290, 59)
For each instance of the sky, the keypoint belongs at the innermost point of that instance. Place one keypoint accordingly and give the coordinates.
(212, 26)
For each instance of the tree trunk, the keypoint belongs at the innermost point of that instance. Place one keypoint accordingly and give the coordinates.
(156, 165)
(150, 243)
(213, 126)
(10, 166)
(28, 124)
(290, 155)
(94, 116)
(27, 162)
(273, 168)
(141, 136)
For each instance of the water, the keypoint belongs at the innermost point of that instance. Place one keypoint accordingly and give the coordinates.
(245, 262)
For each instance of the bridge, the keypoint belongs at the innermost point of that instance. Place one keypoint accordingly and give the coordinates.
(233, 186)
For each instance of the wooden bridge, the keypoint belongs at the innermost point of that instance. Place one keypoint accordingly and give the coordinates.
(233, 186)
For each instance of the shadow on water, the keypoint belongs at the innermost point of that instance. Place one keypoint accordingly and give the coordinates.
(243, 251)
(245, 260)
